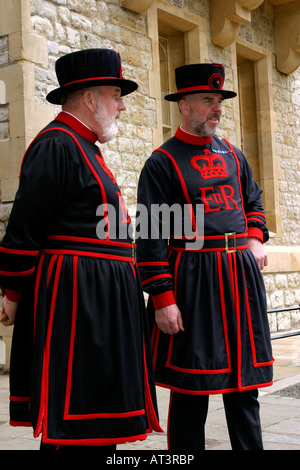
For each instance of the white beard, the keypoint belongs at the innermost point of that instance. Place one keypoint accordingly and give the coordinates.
(109, 126)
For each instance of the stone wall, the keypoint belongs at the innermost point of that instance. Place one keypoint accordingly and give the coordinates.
(72, 25)
(283, 291)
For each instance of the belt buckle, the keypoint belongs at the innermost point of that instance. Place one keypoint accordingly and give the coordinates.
(233, 248)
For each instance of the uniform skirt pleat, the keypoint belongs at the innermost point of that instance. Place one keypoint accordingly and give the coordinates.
(226, 343)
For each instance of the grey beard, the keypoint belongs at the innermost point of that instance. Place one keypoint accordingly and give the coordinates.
(201, 129)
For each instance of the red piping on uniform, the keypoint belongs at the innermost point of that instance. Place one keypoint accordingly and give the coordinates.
(153, 263)
(36, 291)
(204, 250)
(256, 213)
(184, 189)
(125, 414)
(13, 251)
(43, 411)
(72, 338)
(201, 371)
(198, 371)
(254, 219)
(151, 415)
(19, 399)
(96, 441)
(20, 423)
(239, 179)
(91, 168)
(154, 278)
(214, 392)
(251, 335)
(223, 308)
(88, 240)
(67, 415)
(86, 253)
(17, 274)
(238, 323)
(77, 126)
(50, 268)
(215, 237)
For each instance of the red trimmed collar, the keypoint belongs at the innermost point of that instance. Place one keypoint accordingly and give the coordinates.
(77, 126)
(191, 138)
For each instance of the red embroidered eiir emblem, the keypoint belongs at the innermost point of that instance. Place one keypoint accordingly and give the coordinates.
(212, 166)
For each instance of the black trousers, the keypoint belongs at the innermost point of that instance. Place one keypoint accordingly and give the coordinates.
(187, 417)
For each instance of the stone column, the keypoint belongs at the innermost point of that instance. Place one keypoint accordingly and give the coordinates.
(17, 91)
(22, 115)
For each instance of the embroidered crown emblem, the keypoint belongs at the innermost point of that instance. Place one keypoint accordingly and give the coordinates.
(212, 166)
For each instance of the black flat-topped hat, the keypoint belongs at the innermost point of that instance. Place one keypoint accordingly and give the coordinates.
(199, 78)
(88, 68)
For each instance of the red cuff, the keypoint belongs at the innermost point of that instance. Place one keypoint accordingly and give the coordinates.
(163, 300)
(13, 295)
(255, 233)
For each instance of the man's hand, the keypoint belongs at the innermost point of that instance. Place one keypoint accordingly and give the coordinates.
(258, 251)
(9, 309)
(169, 319)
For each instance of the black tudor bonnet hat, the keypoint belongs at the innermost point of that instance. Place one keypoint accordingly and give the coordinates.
(88, 68)
(199, 78)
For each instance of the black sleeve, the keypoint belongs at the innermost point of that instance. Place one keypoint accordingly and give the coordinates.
(253, 207)
(44, 177)
(154, 188)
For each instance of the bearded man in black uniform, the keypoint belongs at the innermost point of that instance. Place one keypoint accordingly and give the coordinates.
(207, 304)
(81, 366)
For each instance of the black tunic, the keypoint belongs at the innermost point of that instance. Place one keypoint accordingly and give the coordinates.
(226, 343)
(81, 366)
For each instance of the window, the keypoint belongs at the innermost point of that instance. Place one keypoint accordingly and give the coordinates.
(171, 55)
(164, 85)
(257, 124)
(248, 114)
(179, 38)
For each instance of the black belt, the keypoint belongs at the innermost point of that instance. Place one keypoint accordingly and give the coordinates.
(229, 242)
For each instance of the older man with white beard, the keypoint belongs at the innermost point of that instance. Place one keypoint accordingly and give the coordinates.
(81, 366)
(102, 107)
